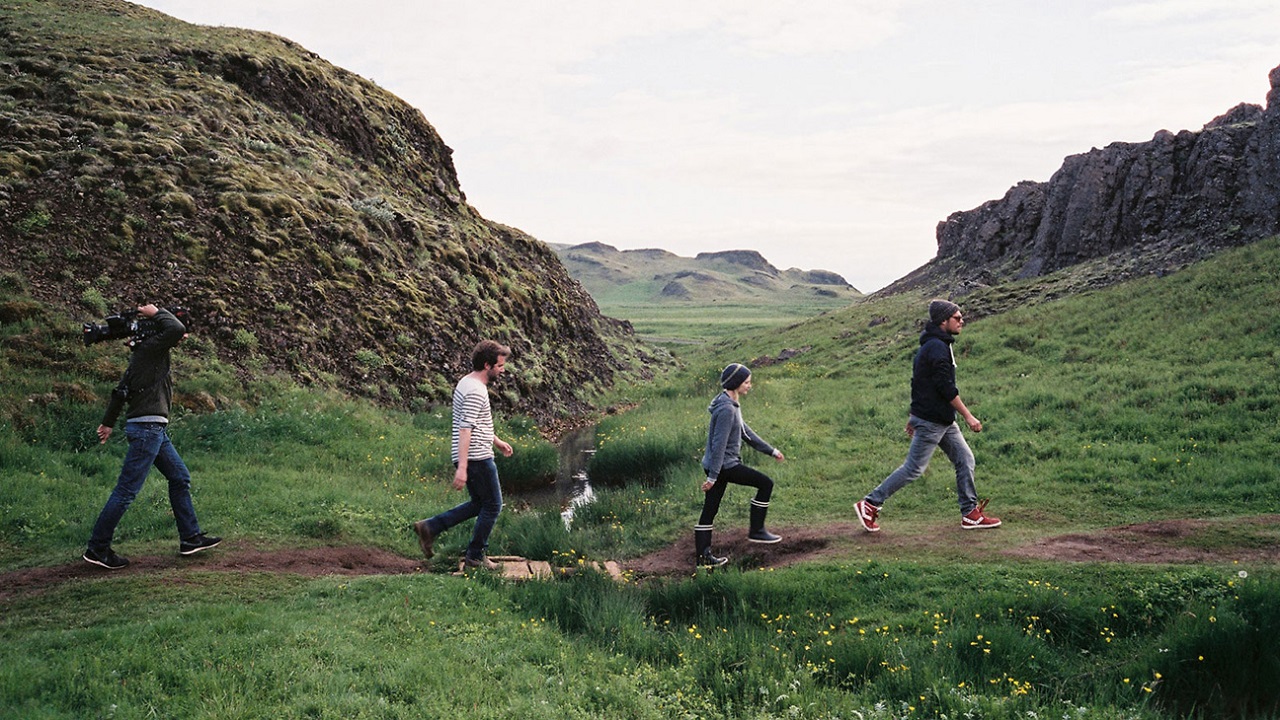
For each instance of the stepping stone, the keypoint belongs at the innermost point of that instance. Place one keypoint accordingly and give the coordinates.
(518, 568)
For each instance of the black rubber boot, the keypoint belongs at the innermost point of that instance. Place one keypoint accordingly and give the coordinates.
(758, 534)
(702, 548)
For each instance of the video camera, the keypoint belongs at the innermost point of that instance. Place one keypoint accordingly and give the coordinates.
(129, 324)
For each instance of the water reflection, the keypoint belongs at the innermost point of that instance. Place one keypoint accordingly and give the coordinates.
(573, 486)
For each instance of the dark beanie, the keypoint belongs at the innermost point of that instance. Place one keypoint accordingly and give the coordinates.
(734, 375)
(940, 310)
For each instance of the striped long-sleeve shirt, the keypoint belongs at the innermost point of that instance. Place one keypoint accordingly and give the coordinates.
(471, 410)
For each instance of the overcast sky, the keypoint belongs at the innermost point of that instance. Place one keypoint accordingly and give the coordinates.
(826, 134)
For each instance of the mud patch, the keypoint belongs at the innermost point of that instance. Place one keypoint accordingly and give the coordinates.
(1254, 540)
(798, 545)
(308, 562)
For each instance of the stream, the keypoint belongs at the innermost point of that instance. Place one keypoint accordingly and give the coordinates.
(572, 487)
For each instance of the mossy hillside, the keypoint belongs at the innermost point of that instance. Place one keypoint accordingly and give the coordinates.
(311, 220)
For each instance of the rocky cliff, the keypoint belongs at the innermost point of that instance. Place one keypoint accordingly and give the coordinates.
(1161, 203)
(311, 221)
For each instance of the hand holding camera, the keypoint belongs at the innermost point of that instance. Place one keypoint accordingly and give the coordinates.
(136, 324)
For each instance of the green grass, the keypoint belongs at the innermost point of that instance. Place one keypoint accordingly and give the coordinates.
(676, 325)
(1158, 399)
(880, 639)
(300, 465)
(273, 647)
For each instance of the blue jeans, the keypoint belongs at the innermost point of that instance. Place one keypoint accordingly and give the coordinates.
(928, 437)
(149, 445)
(484, 505)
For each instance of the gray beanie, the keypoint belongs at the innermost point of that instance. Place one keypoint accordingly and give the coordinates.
(940, 310)
(733, 376)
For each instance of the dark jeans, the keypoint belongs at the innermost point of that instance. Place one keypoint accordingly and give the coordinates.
(149, 445)
(484, 505)
(738, 475)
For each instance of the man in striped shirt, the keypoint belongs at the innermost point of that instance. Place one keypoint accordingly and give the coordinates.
(472, 450)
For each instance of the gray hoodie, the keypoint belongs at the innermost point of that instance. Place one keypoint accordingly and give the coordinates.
(725, 436)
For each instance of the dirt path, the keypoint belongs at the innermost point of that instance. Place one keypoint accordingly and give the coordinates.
(309, 562)
(1253, 540)
(1256, 540)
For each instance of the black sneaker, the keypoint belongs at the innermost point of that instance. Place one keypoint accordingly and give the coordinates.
(107, 559)
(193, 545)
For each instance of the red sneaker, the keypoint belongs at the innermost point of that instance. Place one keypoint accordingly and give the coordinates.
(977, 520)
(867, 514)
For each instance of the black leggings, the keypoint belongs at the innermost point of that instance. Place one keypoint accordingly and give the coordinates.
(738, 475)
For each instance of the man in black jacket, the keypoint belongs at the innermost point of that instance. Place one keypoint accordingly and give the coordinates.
(146, 389)
(931, 424)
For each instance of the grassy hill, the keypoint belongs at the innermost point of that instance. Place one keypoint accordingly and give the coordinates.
(674, 300)
(311, 221)
(1155, 399)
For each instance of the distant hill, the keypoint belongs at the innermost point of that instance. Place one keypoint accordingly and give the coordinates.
(312, 221)
(658, 276)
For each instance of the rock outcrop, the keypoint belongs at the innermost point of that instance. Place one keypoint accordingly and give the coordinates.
(1173, 199)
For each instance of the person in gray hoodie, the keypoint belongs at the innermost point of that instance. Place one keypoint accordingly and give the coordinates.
(722, 463)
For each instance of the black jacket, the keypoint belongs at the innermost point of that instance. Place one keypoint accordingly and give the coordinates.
(146, 387)
(933, 377)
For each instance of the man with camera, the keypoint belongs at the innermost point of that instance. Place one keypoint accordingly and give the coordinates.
(146, 390)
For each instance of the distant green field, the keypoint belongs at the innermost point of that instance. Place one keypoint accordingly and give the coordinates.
(675, 325)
